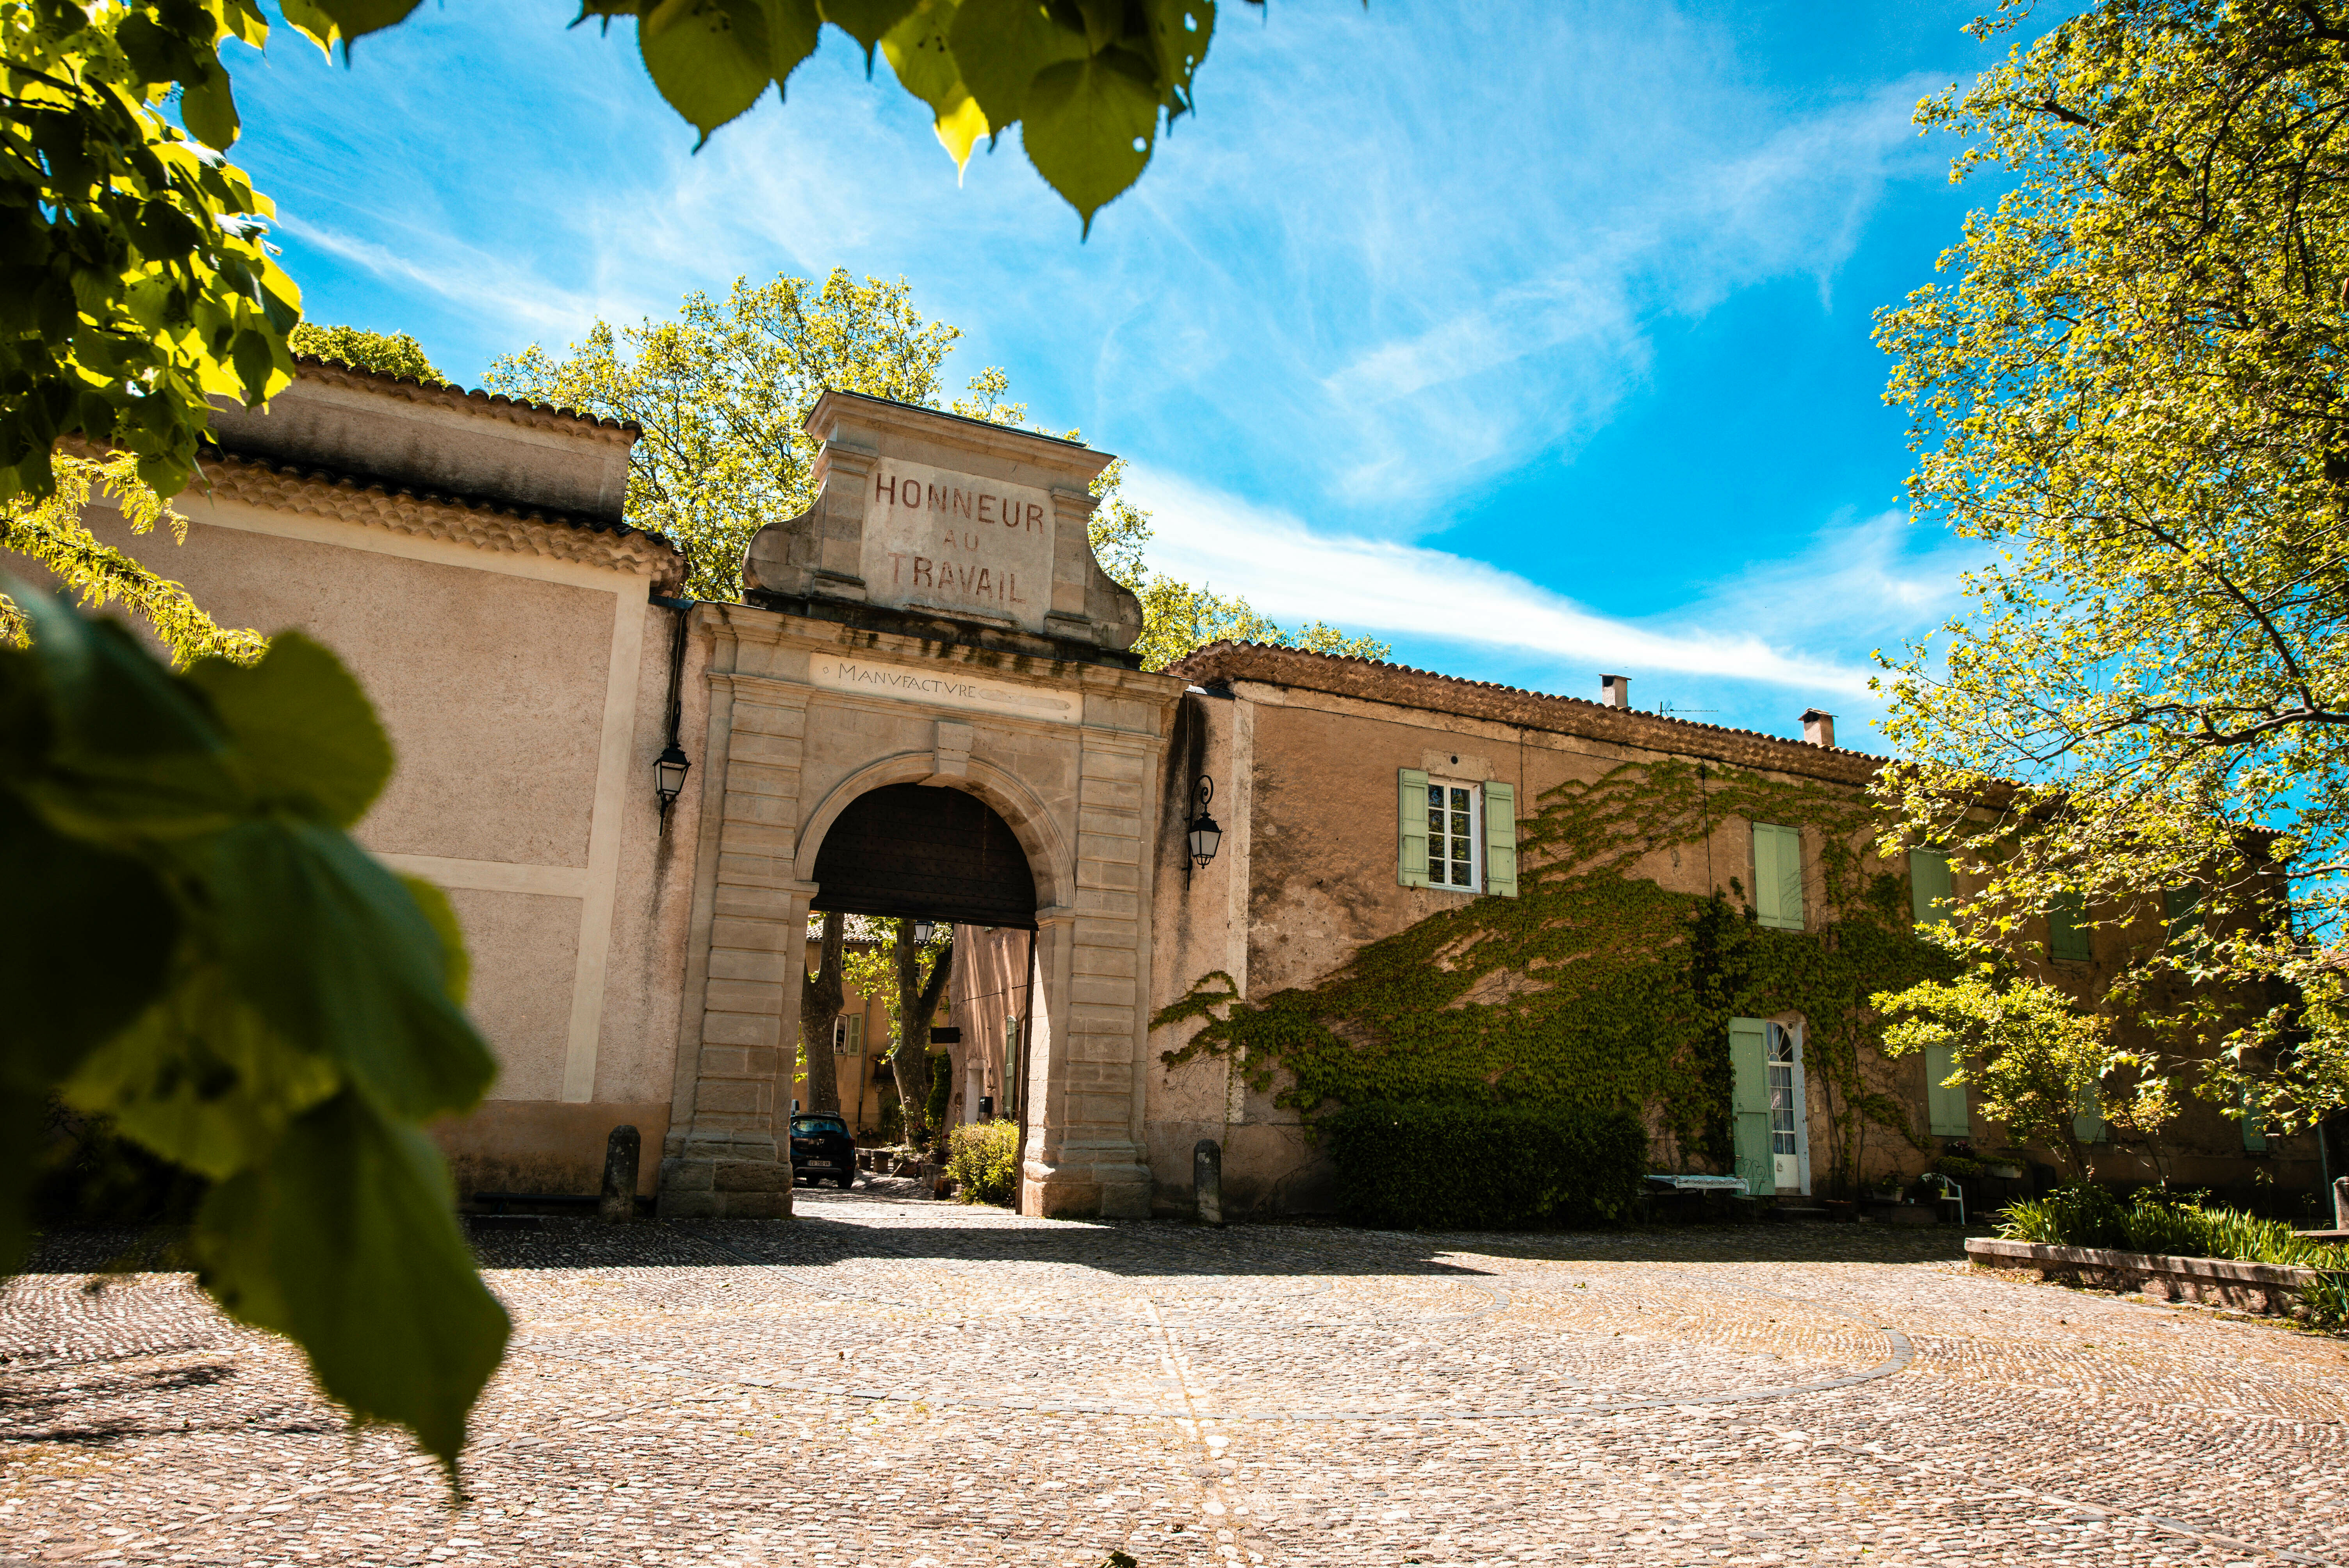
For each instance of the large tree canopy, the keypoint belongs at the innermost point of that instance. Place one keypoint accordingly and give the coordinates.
(721, 394)
(2133, 387)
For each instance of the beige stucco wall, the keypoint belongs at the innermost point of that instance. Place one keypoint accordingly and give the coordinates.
(1306, 795)
(523, 695)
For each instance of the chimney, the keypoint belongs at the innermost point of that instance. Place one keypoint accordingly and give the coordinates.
(1819, 728)
(1615, 691)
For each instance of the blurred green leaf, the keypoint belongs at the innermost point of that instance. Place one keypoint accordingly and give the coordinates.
(129, 754)
(201, 1080)
(792, 26)
(351, 18)
(920, 55)
(456, 962)
(1088, 127)
(331, 948)
(1000, 46)
(307, 733)
(866, 20)
(86, 939)
(709, 59)
(345, 1239)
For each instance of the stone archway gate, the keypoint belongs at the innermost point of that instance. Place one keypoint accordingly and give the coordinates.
(937, 617)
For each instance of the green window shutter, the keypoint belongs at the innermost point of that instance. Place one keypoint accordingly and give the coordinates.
(2180, 907)
(1778, 876)
(2067, 936)
(1946, 1111)
(1749, 1104)
(1500, 840)
(2088, 1123)
(2255, 1126)
(1411, 859)
(1929, 886)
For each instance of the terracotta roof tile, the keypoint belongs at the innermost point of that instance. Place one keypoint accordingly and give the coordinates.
(1344, 675)
(449, 392)
(368, 484)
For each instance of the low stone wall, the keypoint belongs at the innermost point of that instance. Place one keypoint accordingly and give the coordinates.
(2268, 1288)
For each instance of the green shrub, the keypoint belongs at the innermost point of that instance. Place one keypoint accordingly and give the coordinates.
(2157, 1221)
(934, 1111)
(983, 1158)
(1407, 1166)
(2073, 1216)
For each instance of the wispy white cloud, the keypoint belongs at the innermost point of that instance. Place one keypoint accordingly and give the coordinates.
(481, 284)
(1291, 570)
(1859, 583)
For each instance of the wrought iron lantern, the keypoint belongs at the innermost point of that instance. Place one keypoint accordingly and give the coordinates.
(1205, 837)
(923, 930)
(668, 776)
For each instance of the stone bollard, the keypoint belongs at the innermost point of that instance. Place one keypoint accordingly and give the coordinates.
(2341, 1204)
(1208, 1181)
(621, 1151)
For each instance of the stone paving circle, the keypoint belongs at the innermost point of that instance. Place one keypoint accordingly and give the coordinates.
(892, 1381)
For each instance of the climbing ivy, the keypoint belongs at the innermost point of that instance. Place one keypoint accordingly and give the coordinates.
(1597, 989)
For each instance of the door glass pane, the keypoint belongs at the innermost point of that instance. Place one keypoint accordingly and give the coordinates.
(1781, 1078)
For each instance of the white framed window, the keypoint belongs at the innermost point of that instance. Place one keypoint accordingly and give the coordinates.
(1456, 836)
(848, 1035)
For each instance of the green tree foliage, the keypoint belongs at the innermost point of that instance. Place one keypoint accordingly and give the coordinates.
(1596, 989)
(385, 354)
(134, 282)
(192, 947)
(2133, 387)
(51, 530)
(922, 969)
(2031, 1054)
(720, 393)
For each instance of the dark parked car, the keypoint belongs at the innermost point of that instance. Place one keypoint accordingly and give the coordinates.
(821, 1149)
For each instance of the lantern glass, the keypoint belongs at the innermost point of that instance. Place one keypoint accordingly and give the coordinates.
(924, 930)
(1205, 838)
(669, 775)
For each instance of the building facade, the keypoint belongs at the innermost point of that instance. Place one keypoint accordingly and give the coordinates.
(924, 704)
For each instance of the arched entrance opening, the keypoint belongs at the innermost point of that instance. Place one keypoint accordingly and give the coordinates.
(914, 851)
(927, 853)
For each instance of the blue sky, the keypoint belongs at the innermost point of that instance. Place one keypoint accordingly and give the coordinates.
(1533, 336)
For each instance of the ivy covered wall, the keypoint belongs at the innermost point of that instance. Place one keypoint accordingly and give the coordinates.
(1600, 987)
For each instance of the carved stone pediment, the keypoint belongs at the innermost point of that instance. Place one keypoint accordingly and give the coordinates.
(933, 518)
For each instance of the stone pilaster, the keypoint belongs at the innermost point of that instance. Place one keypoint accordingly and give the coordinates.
(1086, 1160)
(731, 1158)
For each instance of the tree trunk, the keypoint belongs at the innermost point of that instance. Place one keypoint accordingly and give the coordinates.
(819, 1003)
(917, 1004)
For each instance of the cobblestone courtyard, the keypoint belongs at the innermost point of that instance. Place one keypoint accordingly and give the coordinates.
(910, 1384)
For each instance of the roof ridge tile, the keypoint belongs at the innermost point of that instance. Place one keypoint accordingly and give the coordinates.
(1849, 760)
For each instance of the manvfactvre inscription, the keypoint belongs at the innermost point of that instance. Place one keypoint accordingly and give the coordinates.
(942, 688)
